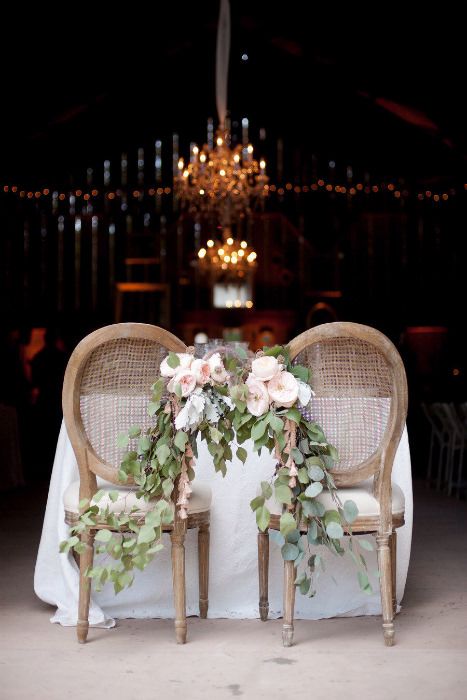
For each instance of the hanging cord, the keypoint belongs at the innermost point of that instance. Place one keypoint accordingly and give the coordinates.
(222, 61)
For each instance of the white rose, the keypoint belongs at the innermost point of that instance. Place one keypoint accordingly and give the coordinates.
(185, 360)
(283, 389)
(202, 371)
(304, 393)
(264, 368)
(218, 371)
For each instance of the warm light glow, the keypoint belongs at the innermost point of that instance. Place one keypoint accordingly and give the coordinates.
(241, 253)
(249, 304)
(201, 192)
(236, 158)
(195, 150)
(180, 164)
(210, 243)
(220, 252)
(219, 141)
(203, 157)
(250, 148)
(243, 244)
(229, 303)
(262, 164)
(222, 173)
(229, 241)
(201, 252)
(227, 258)
(238, 303)
(185, 173)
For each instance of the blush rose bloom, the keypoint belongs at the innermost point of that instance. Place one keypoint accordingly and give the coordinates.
(186, 379)
(283, 389)
(264, 368)
(185, 361)
(218, 371)
(257, 400)
(202, 371)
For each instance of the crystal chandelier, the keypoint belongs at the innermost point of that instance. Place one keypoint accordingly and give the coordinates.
(222, 181)
(229, 255)
(219, 180)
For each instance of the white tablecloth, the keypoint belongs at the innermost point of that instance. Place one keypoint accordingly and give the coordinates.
(233, 586)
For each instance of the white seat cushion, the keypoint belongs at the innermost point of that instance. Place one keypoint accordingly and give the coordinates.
(199, 502)
(361, 494)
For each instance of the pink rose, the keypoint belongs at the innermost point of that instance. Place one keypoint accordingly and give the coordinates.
(187, 381)
(258, 398)
(202, 371)
(283, 389)
(218, 371)
(264, 368)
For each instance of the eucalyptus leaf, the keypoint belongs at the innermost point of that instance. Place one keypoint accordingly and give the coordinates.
(103, 536)
(350, 511)
(257, 502)
(289, 551)
(263, 517)
(123, 440)
(181, 438)
(287, 523)
(334, 530)
(242, 454)
(366, 544)
(173, 360)
(266, 489)
(314, 489)
(283, 493)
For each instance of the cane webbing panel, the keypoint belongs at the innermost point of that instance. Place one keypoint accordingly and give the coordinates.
(353, 386)
(114, 392)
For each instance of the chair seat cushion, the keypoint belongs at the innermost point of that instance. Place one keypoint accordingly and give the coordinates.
(200, 499)
(361, 494)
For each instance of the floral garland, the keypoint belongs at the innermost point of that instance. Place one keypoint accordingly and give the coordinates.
(219, 400)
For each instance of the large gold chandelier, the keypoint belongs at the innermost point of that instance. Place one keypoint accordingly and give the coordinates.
(221, 180)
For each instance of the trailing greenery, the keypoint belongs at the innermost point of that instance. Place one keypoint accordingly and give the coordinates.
(225, 402)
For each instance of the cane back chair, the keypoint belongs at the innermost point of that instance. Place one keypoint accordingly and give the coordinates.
(361, 403)
(106, 390)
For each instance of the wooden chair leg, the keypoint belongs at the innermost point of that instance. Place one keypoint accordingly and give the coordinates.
(263, 573)
(289, 603)
(85, 560)
(203, 569)
(393, 544)
(385, 573)
(177, 537)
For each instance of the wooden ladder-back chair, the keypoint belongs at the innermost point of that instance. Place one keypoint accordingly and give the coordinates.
(106, 390)
(361, 403)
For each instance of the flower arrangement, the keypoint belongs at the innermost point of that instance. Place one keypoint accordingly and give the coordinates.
(225, 400)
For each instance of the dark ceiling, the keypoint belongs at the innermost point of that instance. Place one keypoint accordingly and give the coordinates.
(383, 92)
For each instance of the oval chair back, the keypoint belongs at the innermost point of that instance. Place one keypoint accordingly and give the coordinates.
(106, 390)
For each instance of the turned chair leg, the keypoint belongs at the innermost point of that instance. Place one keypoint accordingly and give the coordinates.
(177, 537)
(85, 561)
(385, 572)
(263, 572)
(203, 569)
(393, 544)
(289, 603)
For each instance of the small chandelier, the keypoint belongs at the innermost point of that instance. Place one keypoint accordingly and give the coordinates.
(233, 257)
(221, 180)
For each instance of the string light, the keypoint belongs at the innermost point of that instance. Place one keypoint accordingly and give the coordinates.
(281, 191)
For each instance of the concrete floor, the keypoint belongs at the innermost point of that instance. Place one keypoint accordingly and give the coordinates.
(339, 658)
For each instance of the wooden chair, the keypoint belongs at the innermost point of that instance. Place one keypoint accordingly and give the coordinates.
(106, 390)
(361, 403)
